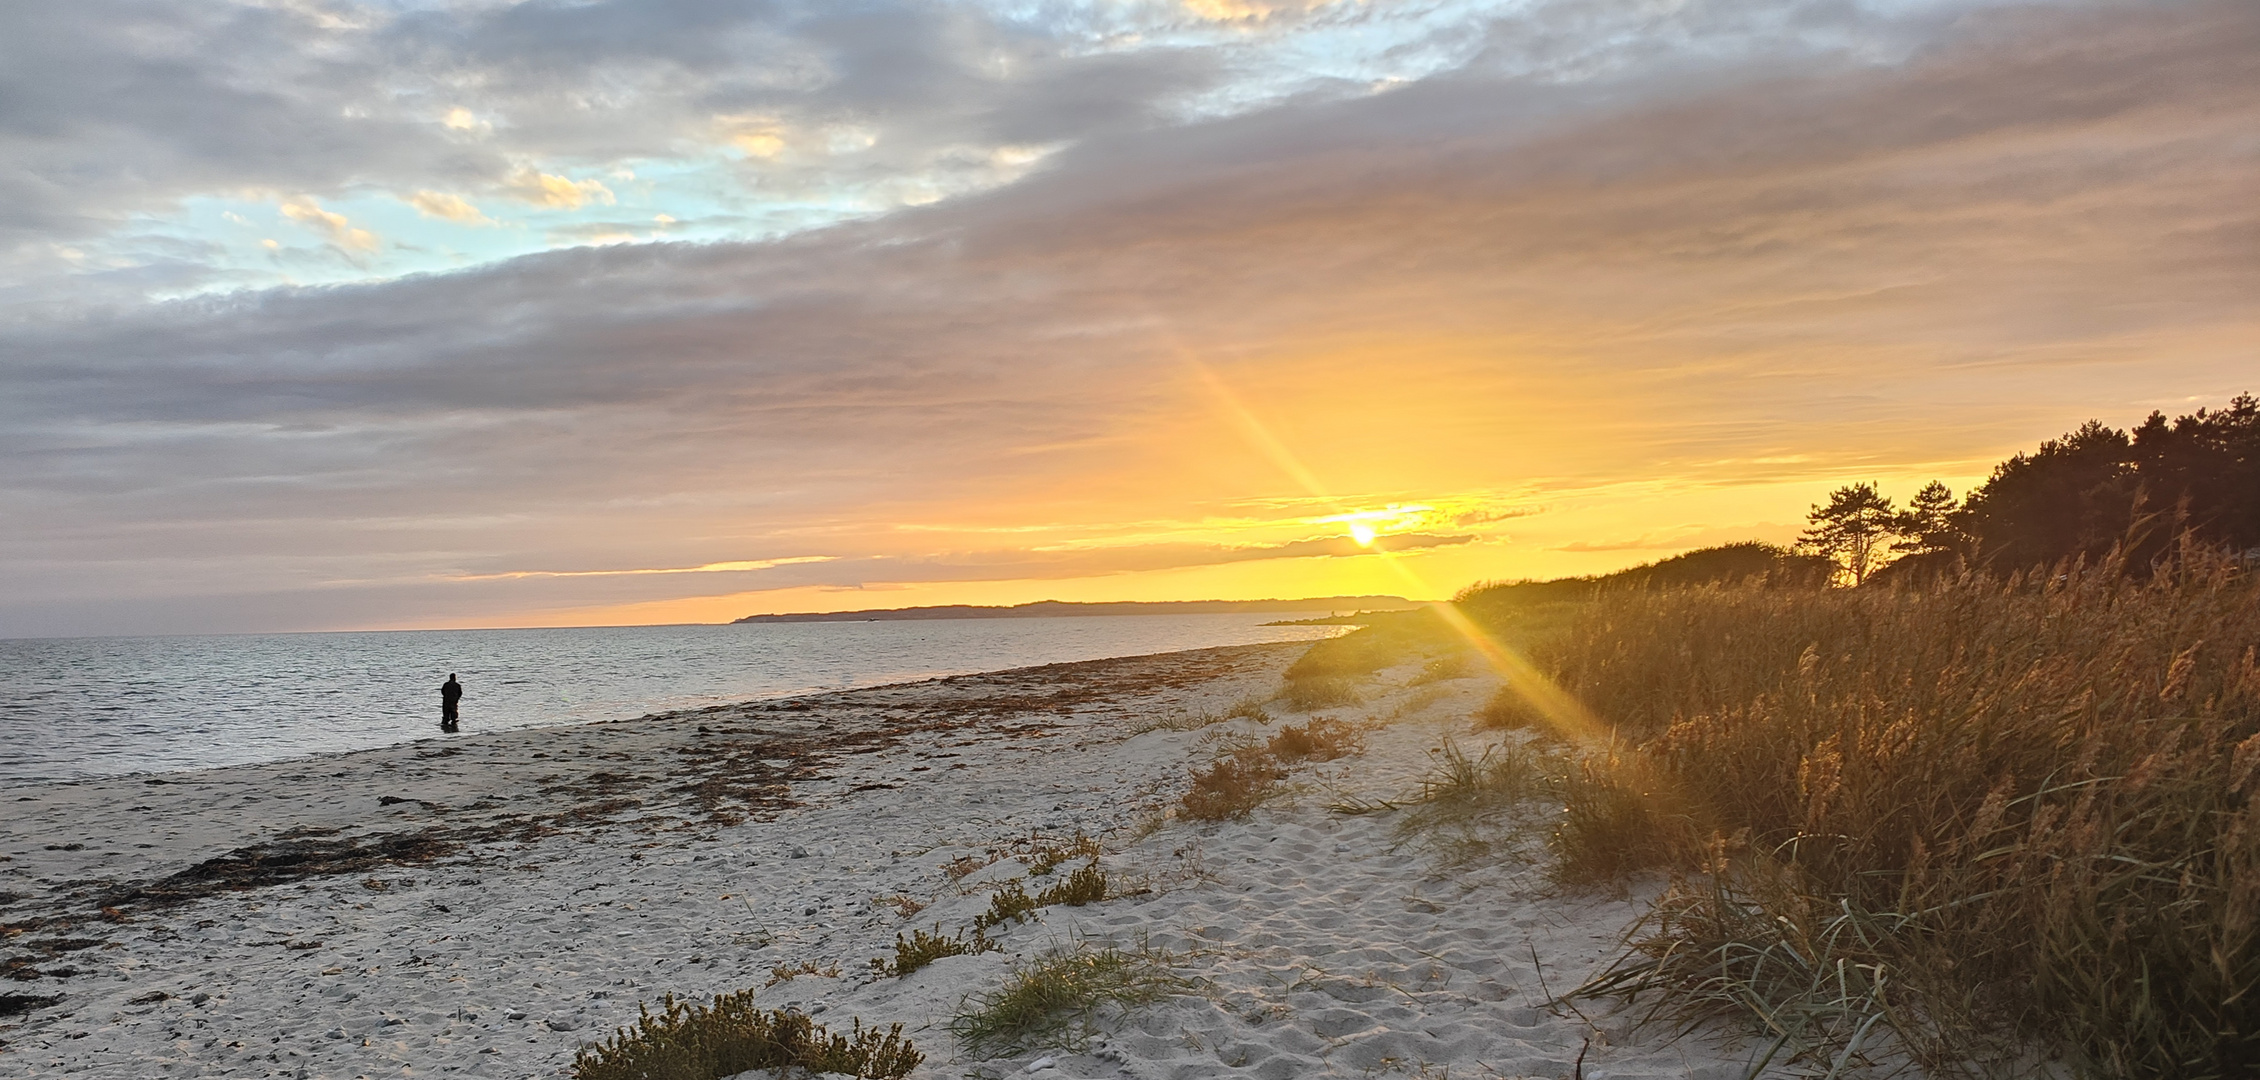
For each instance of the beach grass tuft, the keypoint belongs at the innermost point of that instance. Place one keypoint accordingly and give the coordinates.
(1460, 788)
(1232, 785)
(1009, 904)
(922, 948)
(1053, 999)
(1320, 692)
(1045, 858)
(731, 1035)
(784, 973)
(1085, 885)
(1320, 739)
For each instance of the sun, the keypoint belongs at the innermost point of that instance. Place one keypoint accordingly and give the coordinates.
(1362, 533)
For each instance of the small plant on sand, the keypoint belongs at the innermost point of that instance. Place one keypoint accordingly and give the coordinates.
(1248, 708)
(1232, 785)
(1010, 903)
(1320, 692)
(1052, 1000)
(1086, 885)
(1460, 788)
(784, 973)
(905, 906)
(922, 948)
(731, 1036)
(1321, 739)
(1045, 858)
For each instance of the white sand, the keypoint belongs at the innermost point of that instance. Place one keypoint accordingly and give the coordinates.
(1318, 945)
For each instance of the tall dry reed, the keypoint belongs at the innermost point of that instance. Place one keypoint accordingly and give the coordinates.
(2043, 791)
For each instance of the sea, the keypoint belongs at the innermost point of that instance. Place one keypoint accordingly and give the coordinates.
(78, 708)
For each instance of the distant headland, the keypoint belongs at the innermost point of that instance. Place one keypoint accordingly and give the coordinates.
(1053, 608)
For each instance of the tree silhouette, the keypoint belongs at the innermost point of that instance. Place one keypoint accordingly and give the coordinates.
(1853, 529)
(2078, 496)
(1927, 526)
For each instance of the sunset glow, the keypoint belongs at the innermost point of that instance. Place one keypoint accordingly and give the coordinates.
(716, 312)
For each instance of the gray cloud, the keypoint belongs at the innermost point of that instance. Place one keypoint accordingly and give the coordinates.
(1707, 262)
(113, 108)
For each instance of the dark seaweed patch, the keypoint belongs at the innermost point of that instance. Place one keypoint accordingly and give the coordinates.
(288, 860)
(18, 1004)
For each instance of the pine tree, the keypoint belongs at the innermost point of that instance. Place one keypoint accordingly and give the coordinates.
(1853, 529)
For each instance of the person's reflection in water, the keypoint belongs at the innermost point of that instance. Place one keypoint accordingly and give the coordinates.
(450, 692)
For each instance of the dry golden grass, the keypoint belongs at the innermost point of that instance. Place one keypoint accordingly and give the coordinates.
(1232, 785)
(1320, 739)
(2029, 806)
(731, 1035)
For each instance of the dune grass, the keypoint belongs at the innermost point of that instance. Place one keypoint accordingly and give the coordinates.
(2028, 807)
(1053, 999)
(922, 948)
(1460, 789)
(1320, 739)
(731, 1035)
(1232, 785)
(1248, 772)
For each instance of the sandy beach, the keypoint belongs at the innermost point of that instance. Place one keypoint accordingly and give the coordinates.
(484, 905)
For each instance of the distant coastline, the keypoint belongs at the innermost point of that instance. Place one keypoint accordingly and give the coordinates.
(1055, 608)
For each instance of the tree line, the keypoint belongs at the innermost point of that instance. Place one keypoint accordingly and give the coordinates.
(2195, 478)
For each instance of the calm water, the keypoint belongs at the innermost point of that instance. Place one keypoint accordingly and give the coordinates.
(82, 707)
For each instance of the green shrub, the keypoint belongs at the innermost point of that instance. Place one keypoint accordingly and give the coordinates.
(730, 1036)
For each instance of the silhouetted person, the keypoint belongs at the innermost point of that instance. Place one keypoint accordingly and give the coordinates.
(450, 692)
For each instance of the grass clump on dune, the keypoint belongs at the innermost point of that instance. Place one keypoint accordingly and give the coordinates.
(1053, 999)
(922, 948)
(1460, 788)
(1320, 692)
(1232, 785)
(730, 1036)
(1320, 739)
(1241, 779)
(2032, 805)
(1012, 903)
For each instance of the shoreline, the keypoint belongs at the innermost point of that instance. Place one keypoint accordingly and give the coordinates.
(181, 711)
(486, 906)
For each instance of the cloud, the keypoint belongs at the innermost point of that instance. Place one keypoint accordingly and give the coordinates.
(542, 189)
(1609, 290)
(117, 110)
(447, 207)
(333, 226)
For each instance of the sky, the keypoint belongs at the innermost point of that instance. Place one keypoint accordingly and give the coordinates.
(332, 315)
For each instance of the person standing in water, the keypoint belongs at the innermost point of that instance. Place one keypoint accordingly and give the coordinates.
(450, 692)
